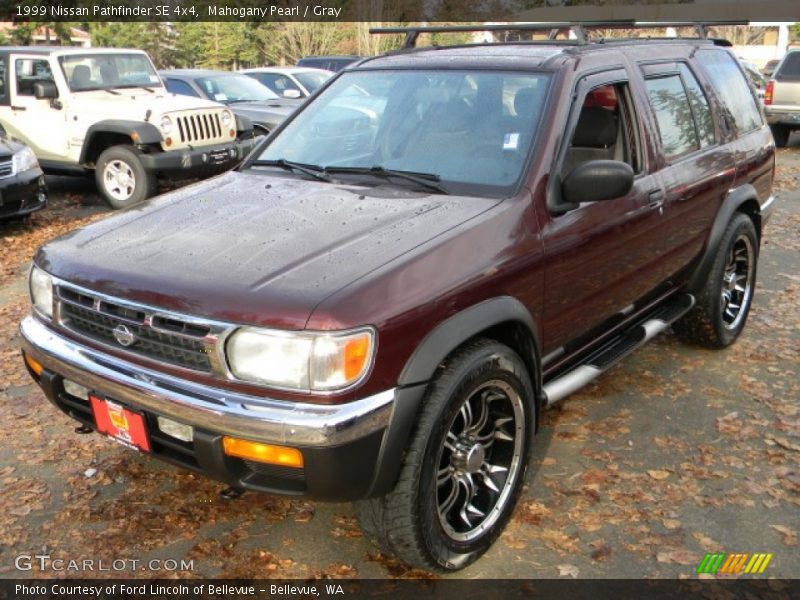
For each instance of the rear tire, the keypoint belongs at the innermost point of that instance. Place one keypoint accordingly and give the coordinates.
(121, 177)
(781, 135)
(464, 468)
(724, 302)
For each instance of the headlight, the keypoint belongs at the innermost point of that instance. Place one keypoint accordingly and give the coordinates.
(303, 360)
(166, 125)
(41, 285)
(227, 118)
(24, 160)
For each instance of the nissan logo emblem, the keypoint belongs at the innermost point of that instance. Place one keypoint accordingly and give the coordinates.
(124, 335)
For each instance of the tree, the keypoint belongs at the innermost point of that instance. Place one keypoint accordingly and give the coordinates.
(157, 39)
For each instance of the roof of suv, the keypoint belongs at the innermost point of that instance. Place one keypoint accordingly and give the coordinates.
(525, 55)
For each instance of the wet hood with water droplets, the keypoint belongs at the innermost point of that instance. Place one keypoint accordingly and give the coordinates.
(252, 248)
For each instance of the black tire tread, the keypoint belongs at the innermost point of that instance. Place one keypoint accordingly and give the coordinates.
(699, 326)
(391, 521)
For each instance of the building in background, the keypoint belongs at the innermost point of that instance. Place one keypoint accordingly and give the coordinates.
(46, 36)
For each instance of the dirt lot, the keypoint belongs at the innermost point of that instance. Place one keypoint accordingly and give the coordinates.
(675, 452)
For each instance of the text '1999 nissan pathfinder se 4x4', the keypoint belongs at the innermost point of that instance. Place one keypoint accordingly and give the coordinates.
(379, 303)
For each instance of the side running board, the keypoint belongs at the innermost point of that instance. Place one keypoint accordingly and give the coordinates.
(615, 350)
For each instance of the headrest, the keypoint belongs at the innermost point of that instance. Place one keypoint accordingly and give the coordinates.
(81, 76)
(597, 128)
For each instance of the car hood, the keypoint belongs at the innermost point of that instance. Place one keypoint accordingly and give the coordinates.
(271, 113)
(135, 104)
(252, 248)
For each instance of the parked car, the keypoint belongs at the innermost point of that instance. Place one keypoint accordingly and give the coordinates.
(769, 68)
(328, 63)
(290, 82)
(22, 188)
(244, 96)
(105, 111)
(388, 299)
(782, 98)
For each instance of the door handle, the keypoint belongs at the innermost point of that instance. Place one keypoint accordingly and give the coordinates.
(655, 199)
(19, 107)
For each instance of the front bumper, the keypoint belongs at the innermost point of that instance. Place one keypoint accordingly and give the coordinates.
(191, 162)
(22, 194)
(342, 445)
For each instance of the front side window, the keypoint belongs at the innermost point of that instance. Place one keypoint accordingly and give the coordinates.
(3, 72)
(30, 71)
(673, 114)
(85, 72)
(605, 130)
(729, 83)
(469, 129)
(235, 88)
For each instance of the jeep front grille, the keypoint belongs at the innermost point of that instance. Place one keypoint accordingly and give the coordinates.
(142, 331)
(199, 127)
(6, 168)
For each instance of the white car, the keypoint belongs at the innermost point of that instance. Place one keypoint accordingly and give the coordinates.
(290, 82)
(107, 111)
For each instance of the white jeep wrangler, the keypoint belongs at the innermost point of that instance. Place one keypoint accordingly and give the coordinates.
(107, 110)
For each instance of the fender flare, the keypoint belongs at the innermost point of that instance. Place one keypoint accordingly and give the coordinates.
(421, 367)
(730, 205)
(243, 124)
(139, 132)
(459, 328)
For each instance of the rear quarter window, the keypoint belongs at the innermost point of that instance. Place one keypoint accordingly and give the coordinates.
(789, 69)
(733, 91)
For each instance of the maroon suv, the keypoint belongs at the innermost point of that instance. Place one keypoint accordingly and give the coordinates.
(443, 242)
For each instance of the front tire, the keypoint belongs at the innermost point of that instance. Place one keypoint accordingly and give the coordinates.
(121, 178)
(464, 469)
(724, 302)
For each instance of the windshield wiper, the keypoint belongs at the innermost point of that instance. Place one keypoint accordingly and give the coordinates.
(136, 86)
(314, 171)
(428, 180)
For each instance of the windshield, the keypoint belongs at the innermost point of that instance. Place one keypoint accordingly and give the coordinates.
(312, 81)
(105, 71)
(235, 88)
(470, 129)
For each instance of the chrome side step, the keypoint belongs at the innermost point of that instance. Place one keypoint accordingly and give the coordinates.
(618, 348)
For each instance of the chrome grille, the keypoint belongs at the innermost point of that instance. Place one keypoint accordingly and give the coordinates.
(6, 168)
(199, 127)
(163, 337)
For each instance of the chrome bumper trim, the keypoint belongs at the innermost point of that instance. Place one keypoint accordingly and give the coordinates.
(766, 209)
(214, 409)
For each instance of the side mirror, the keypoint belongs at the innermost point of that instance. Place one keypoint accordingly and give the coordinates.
(43, 90)
(596, 180)
(291, 93)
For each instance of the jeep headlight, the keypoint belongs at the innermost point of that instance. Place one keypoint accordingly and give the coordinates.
(227, 118)
(24, 160)
(41, 286)
(166, 125)
(319, 361)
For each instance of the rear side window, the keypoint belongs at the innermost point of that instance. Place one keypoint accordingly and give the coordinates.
(674, 115)
(3, 71)
(790, 68)
(732, 89)
(699, 104)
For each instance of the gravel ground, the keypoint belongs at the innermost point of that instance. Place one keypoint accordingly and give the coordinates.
(675, 452)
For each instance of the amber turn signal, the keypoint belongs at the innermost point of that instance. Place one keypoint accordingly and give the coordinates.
(266, 453)
(34, 365)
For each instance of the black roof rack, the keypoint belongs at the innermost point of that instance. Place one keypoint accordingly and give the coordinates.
(578, 29)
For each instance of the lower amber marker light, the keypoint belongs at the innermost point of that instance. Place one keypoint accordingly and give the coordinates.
(266, 453)
(34, 365)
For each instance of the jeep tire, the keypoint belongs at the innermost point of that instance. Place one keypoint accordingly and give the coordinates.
(121, 178)
(781, 135)
(465, 465)
(724, 302)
